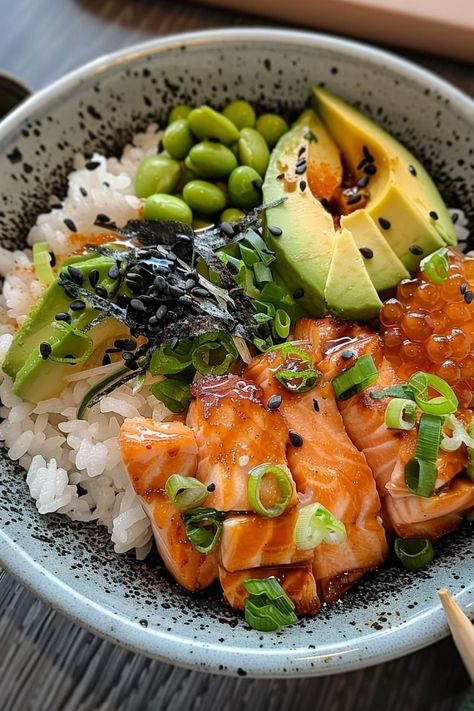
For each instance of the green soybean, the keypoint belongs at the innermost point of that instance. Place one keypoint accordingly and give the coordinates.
(180, 111)
(231, 214)
(167, 207)
(178, 139)
(156, 174)
(243, 187)
(204, 197)
(272, 127)
(241, 113)
(212, 160)
(205, 123)
(253, 150)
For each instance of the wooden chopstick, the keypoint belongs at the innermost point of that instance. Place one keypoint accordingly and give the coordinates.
(462, 630)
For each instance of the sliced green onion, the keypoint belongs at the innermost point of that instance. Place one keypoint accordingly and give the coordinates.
(204, 528)
(470, 458)
(436, 266)
(450, 443)
(264, 308)
(400, 414)
(316, 524)
(262, 272)
(420, 472)
(421, 382)
(249, 255)
(82, 342)
(297, 381)
(414, 553)
(173, 393)
(266, 255)
(138, 383)
(402, 391)
(289, 349)
(262, 318)
(201, 353)
(42, 262)
(355, 379)
(254, 484)
(267, 608)
(185, 492)
(282, 324)
(101, 385)
(169, 361)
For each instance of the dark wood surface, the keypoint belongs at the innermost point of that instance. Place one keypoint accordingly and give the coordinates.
(46, 662)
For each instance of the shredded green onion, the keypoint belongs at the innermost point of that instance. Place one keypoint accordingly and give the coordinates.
(254, 484)
(201, 353)
(168, 361)
(204, 528)
(436, 266)
(420, 471)
(402, 391)
(289, 349)
(355, 379)
(92, 392)
(414, 553)
(445, 404)
(282, 324)
(262, 272)
(249, 256)
(400, 414)
(297, 381)
(185, 492)
(173, 393)
(42, 263)
(450, 443)
(267, 607)
(316, 524)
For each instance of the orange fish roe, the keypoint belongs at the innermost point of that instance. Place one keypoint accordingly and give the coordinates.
(431, 327)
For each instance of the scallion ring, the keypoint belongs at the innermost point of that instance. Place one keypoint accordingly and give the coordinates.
(281, 323)
(400, 414)
(254, 485)
(414, 553)
(267, 607)
(420, 471)
(445, 404)
(289, 350)
(203, 347)
(185, 492)
(297, 381)
(316, 524)
(450, 443)
(355, 379)
(204, 528)
(436, 266)
(168, 361)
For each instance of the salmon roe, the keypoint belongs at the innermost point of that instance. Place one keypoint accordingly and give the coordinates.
(431, 327)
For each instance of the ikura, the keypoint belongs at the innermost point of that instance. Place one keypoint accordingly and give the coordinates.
(431, 327)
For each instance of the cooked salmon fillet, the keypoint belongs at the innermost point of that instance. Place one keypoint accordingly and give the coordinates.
(152, 452)
(298, 583)
(330, 470)
(235, 433)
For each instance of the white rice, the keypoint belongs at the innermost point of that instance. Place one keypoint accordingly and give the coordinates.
(74, 466)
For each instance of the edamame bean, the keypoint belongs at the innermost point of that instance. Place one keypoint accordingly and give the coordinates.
(243, 187)
(212, 160)
(232, 214)
(156, 174)
(178, 139)
(272, 127)
(204, 197)
(205, 123)
(180, 111)
(167, 207)
(241, 114)
(253, 150)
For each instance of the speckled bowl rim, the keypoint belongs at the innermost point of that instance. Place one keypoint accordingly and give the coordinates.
(165, 646)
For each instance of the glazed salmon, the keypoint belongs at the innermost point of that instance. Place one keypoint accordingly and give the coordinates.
(235, 433)
(330, 470)
(152, 452)
(298, 583)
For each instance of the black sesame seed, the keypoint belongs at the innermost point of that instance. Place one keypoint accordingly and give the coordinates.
(347, 354)
(316, 405)
(63, 316)
(83, 191)
(176, 291)
(75, 274)
(78, 305)
(454, 217)
(56, 206)
(161, 312)
(302, 185)
(211, 487)
(274, 402)
(280, 176)
(468, 297)
(412, 169)
(70, 224)
(298, 293)
(257, 184)
(162, 269)
(363, 182)
(301, 151)
(101, 217)
(112, 350)
(114, 272)
(362, 163)
(185, 301)
(295, 439)
(92, 164)
(370, 169)
(227, 228)
(300, 168)
(45, 350)
(126, 355)
(106, 360)
(159, 283)
(106, 184)
(463, 288)
(131, 364)
(275, 231)
(416, 250)
(199, 291)
(101, 291)
(171, 256)
(189, 284)
(153, 321)
(434, 215)
(52, 259)
(384, 223)
(300, 162)
(354, 199)
(366, 252)
(367, 154)
(137, 305)
(94, 277)
(128, 344)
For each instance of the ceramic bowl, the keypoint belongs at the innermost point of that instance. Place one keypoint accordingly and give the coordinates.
(73, 566)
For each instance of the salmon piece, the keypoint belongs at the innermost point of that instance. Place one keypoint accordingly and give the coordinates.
(330, 470)
(234, 434)
(430, 517)
(253, 541)
(298, 583)
(153, 451)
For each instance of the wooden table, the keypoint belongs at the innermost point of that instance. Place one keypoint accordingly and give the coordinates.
(46, 662)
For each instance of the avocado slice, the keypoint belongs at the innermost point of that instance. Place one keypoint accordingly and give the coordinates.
(404, 202)
(383, 267)
(349, 291)
(304, 249)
